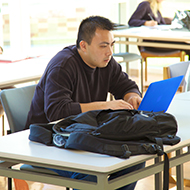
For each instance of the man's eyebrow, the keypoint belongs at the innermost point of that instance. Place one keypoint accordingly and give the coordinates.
(113, 42)
(107, 43)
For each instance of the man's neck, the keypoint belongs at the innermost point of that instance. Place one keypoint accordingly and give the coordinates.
(84, 58)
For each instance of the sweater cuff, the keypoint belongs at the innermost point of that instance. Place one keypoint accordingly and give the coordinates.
(75, 108)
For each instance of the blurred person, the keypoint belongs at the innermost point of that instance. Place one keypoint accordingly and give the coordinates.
(148, 13)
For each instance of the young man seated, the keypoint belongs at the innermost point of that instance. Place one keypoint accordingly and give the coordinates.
(78, 79)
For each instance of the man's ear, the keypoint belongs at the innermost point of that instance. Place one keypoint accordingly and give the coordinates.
(83, 45)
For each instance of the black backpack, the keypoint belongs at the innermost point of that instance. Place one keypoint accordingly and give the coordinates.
(120, 133)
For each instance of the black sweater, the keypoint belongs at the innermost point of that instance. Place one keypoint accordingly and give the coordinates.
(68, 81)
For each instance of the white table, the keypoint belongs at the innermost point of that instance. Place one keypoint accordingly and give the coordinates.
(16, 148)
(161, 33)
(136, 35)
(22, 71)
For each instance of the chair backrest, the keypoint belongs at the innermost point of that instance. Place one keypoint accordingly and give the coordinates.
(16, 104)
(177, 69)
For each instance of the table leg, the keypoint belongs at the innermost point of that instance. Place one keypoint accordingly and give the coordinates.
(142, 76)
(102, 180)
(3, 125)
(179, 173)
(179, 181)
(158, 176)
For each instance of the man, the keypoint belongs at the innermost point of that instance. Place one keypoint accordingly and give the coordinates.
(78, 79)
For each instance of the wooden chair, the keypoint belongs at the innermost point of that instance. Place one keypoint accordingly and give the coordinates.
(177, 69)
(147, 54)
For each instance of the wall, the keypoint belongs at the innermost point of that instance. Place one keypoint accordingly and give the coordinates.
(56, 22)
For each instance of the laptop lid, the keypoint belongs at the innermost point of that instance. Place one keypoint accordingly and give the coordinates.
(160, 94)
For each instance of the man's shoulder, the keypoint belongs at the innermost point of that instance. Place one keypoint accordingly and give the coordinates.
(68, 51)
(67, 54)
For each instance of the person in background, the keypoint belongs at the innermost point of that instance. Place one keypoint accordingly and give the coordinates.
(78, 79)
(148, 13)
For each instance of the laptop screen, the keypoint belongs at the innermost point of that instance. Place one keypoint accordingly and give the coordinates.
(160, 94)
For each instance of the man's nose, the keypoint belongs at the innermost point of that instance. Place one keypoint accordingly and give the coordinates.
(110, 51)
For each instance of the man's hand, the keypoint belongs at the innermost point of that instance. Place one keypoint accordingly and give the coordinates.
(115, 104)
(133, 99)
(118, 104)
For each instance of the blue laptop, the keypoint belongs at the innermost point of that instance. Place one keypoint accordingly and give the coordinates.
(160, 94)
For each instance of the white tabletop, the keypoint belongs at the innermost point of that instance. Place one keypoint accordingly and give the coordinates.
(22, 71)
(17, 146)
(158, 33)
(180, 109)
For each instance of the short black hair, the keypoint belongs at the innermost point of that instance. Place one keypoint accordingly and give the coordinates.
(89, 25)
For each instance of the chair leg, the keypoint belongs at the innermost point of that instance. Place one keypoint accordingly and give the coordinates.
(127, 67)
(142, 75)
(146, 72)
(9, 183)
(182, 56)
(3, 125)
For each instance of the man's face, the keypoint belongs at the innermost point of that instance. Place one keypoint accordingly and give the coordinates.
(99, 52)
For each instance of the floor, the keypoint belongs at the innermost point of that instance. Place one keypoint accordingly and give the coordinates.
(144, 184)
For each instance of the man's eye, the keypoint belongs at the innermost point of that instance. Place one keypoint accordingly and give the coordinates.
(103, 46)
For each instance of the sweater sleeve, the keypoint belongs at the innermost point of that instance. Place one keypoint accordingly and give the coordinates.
(57, 96)
(120, 83)
(140, 16)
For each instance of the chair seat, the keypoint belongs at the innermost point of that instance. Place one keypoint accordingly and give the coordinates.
(161, 53)
(156, 52)
(177, 69)
(128, 57)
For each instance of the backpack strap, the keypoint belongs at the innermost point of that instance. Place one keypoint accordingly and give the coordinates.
(160, 148)
(166, 172)
(159, 141)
